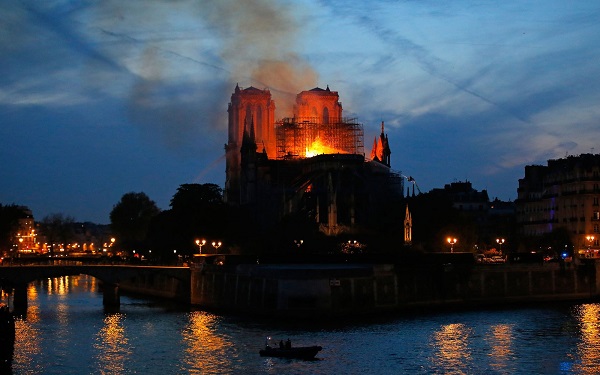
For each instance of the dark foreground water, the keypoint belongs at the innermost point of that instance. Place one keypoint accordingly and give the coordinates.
(66, 331)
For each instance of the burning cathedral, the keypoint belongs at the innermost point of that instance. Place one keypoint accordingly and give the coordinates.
(312, 162)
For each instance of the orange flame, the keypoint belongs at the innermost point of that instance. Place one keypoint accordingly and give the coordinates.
(319, 148)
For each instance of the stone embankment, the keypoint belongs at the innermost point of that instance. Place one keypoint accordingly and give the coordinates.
(350, 286)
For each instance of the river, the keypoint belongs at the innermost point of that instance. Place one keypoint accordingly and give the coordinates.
(67, 331)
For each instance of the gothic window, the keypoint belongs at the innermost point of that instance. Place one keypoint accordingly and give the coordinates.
(259, 122)
(314, 112)
(325, 115)
(248, 116)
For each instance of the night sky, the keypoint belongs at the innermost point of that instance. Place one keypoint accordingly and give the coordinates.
(102, 98)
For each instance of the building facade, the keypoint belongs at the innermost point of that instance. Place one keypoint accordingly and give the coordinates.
(563, 194)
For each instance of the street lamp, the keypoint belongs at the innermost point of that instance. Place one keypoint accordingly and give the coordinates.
(200, 243)
(112, 242)
(451, 241)
(590, 240)
(217, 245)
(298, 242)
(500, 241)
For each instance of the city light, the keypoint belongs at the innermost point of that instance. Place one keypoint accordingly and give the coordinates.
(452, 241)
(500, 241)
(201, 243)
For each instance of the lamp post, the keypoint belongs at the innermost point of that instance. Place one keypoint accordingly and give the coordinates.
(200, 243)
(500, 241)
(112, 242)
(451, 241)
(298, 242)
(590, 240)
(217, 245)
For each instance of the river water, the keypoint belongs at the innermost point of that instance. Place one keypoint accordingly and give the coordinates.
(67, 331)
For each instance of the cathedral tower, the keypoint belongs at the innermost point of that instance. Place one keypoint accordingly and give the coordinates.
(322, 106)
(248, 107)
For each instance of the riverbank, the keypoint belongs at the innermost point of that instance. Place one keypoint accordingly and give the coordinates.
(332, 289)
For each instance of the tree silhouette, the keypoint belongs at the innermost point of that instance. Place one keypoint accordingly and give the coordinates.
(58, 229)
(130, 219)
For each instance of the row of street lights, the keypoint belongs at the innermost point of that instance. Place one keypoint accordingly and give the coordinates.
(202, 242)
(452, 241)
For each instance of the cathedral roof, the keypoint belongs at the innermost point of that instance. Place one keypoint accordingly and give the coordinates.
(253, 89)
(318, 89)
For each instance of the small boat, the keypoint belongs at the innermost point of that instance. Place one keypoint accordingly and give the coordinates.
(298, 352)
(285, 350)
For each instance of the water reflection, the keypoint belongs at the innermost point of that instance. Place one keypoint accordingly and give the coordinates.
(112, 345)
(202, 344)
(451, 347)
(29, 343)
(500, 340)
(588, 347)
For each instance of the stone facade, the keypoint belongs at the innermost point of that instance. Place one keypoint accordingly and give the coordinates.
(563, 194)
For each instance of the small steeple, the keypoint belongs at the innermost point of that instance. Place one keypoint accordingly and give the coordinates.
(252, 135)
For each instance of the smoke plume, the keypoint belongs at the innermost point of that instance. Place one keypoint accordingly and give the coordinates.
(260, 38)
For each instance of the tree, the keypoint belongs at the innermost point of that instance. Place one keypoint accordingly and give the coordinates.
(197, 197)
(199, 211)
(130, 219)
(57, 229)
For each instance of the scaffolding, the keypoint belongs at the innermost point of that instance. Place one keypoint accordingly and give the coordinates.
(296, 136)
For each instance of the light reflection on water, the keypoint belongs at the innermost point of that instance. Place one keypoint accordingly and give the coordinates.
(450, 347)
(500, 339)
(112, 346)
(588, 348)
(202, 343)
(66, 331)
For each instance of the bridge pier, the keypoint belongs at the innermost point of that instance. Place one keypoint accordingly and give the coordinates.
(20, 299)
(111, 297)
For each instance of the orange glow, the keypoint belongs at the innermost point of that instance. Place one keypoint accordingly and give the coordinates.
(319, 148)
(112, 345)
(452, 341)
(500, 341)
(589, 346)
(202, 343)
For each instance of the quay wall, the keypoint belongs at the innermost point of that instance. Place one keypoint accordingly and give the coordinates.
(173, 286)
(313, 290)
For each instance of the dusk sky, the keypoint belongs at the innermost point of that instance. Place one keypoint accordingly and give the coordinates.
(102, 98)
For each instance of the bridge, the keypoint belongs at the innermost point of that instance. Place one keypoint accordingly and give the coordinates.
(162, 281)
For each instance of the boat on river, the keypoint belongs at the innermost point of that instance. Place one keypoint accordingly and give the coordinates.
(287, 351)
